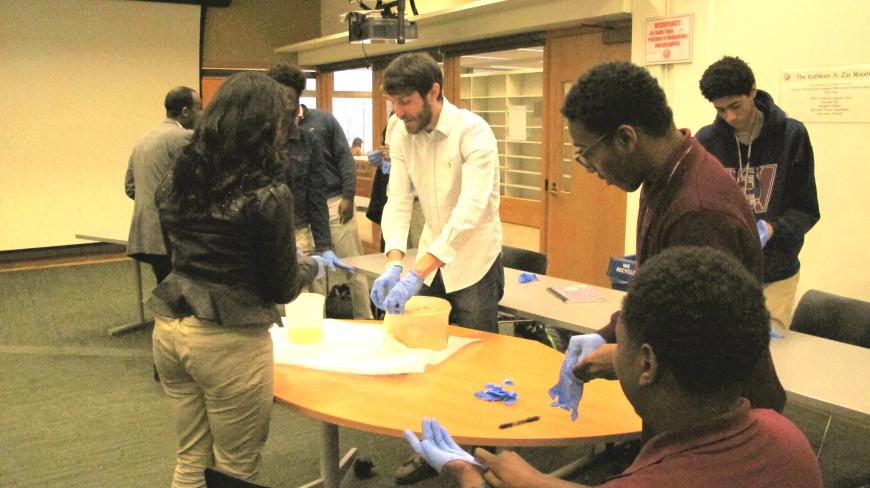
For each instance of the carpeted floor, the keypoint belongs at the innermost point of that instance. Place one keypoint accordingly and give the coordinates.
(79, 408)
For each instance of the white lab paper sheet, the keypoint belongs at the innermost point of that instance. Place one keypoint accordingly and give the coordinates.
(359, 348)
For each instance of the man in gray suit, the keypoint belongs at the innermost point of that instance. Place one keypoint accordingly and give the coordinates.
(149, 162)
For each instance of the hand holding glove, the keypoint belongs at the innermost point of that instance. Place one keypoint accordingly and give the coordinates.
(762, 231)
(322, 263)
(437, 447)
(375, 157)
(569, 389)
(384, 284)
(402, 292)
(334, 262)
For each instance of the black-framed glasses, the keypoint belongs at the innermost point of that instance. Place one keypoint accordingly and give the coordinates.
(581, 155)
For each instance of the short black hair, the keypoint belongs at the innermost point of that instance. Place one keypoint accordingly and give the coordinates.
(727, 77)
(613, 94)
(177, 99)
(413, 72)
(288, 76)
(702, 313)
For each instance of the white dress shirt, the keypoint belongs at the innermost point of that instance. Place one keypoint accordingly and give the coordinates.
(454, 172)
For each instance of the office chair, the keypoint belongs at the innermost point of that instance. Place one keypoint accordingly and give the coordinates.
(833, 317)
(509, 324)
(219, 479)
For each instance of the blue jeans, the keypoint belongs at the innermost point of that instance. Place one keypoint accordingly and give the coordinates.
(476, 306)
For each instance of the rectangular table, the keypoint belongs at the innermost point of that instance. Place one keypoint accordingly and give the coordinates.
(389, 404)
(815, 372)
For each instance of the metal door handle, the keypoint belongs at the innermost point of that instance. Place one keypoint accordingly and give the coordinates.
(553, 190)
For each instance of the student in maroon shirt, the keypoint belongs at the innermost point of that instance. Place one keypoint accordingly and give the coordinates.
(692, 328)
(624, 132)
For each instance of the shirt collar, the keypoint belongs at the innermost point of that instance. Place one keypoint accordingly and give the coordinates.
(447, 117)
(669, 443)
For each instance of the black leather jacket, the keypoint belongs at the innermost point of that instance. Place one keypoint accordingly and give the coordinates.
(233, 265)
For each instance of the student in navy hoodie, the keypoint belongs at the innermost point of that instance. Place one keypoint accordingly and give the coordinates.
(770, 156)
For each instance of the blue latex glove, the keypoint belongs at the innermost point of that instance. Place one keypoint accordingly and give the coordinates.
(438, 448)
(527, 277)
(335, 261)
(383, 284)
(402, 292)
(322, 263)
(375, 157)
(569, 389)
(762, 232)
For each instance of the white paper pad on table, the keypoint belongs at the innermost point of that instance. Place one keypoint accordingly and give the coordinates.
(359, 348)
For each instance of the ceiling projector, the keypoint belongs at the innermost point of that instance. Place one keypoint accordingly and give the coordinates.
(381, 25)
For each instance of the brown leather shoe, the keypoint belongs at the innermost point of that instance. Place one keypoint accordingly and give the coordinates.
(413, 470)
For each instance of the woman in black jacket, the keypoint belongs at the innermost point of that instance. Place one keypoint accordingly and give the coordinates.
(230, 226)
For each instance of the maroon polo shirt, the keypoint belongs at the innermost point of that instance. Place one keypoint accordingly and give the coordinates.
(741, 448)
(701, 205)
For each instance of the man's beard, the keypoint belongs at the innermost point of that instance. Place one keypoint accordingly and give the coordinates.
(422, 119)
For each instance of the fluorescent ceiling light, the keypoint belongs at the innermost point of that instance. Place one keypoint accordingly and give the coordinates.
(487, 57)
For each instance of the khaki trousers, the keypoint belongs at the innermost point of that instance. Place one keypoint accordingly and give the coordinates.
(779, 296)
(218, 381)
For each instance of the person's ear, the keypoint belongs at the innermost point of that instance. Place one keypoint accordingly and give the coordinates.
(435, 90)
(185, 111)
(753, 92)
(648, 365)
(625, 138)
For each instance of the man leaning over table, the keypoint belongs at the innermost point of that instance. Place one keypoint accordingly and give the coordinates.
(624, 131)
(692, 328)
(448, 157)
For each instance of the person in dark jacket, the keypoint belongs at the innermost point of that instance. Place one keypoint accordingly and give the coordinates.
(303, 173)
(770, 156)
(624, 131)
(230, 225)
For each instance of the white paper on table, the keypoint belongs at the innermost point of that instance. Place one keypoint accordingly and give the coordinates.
(517, 123)
(359, 348)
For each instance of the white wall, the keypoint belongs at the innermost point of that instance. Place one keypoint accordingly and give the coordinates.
(771, 36)
(81, 81)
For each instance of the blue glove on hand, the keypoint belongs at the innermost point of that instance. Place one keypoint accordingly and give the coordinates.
(402, 292)
(383, 284)
(385, 167)
(762, 232)
(438, 448)
(569, 389)
(322, 263)
(375, 157)
(334, 261)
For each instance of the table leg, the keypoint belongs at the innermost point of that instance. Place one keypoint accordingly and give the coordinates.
(332, 470)
(130, 327)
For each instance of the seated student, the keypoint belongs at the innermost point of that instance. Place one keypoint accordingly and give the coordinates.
(692, 327)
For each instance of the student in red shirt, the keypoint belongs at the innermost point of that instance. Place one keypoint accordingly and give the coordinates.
(692, 328)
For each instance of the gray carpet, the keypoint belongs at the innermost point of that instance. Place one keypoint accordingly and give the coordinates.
(80, 409)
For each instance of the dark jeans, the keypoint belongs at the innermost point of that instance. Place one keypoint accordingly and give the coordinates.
(476, 306)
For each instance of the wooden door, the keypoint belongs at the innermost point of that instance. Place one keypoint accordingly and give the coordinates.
(585, 218)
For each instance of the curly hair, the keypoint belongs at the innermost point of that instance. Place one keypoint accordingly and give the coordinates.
(702, 313)
(233, 146)
(727, 77)
(413, 72)
(613, 94)
(288, 76)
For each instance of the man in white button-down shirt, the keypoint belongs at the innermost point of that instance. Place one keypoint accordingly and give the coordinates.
(449, 157)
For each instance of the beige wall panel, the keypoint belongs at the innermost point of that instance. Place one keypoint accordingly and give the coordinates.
(772, 36)
(245, 34)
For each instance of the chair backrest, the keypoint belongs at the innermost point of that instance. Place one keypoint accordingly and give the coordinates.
(219, 479)
(833, 317)
(524, 260)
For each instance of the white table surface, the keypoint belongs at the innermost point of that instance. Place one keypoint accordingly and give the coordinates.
(815, 372)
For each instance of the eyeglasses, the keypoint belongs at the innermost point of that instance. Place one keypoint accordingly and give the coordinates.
(580, 155)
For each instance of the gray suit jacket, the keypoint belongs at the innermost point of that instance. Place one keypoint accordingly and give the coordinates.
(149, 162)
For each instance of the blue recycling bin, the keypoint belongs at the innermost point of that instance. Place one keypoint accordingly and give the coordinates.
(621, 271)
